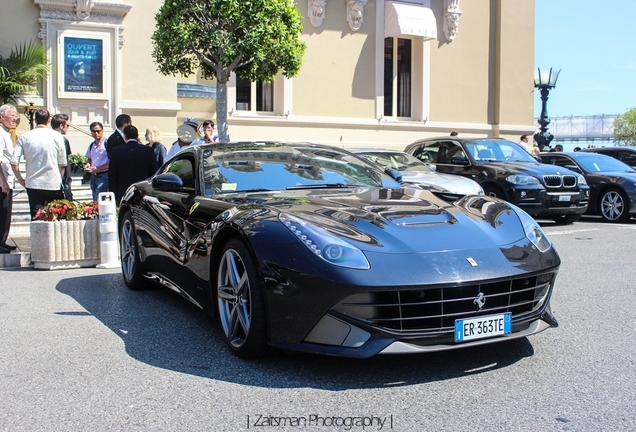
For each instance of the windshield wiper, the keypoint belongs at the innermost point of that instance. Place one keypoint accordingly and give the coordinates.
(325, 186)
(250, 190)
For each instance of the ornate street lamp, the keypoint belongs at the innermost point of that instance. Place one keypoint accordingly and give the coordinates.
(544, 81)
(29, 112)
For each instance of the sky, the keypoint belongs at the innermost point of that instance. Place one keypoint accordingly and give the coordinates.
(594, 44)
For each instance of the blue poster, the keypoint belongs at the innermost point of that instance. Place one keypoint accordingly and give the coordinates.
(83, 65)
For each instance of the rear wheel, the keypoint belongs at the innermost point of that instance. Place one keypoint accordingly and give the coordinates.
(130, 263)
(613, 206)
(566, 219)
(240, 302)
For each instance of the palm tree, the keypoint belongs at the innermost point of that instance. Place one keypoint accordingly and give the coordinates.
(20, 71)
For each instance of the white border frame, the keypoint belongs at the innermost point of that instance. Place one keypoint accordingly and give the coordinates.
(107, 73)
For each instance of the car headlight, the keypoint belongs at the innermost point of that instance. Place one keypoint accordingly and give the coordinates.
(327, 246)
(581, 180)
(523, 180)
(533, 231)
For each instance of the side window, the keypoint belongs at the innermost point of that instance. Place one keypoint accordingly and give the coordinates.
(427, 153)
(447, 150)
(455, 153)
(627, 157)
(184, 169)
(561, 161)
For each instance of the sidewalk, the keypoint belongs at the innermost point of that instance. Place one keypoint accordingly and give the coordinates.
(21, 257)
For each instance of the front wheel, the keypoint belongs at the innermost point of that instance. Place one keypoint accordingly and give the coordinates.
(614, 206)
(494, 191)
(130, 261)
(240, 302)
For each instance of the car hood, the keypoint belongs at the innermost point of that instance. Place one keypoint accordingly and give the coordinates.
(452, 183)
(534, 169)
(390, 220)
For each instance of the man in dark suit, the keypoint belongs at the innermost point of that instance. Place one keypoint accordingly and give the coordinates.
(129, 163)
(117, 138)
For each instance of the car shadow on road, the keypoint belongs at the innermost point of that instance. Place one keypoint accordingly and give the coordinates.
(161, 329)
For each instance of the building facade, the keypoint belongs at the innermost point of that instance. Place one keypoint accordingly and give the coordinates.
(376, 73)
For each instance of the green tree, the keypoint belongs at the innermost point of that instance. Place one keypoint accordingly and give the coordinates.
(253, 38)
(20, 71)
(625, 128)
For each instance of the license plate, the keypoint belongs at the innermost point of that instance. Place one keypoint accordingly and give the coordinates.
(483, 327)
(564, 197)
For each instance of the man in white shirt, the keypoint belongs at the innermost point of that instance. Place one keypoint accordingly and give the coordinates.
(523, 143)
(8, 117)
(45, 160)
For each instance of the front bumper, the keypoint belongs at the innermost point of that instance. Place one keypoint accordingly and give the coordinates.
(539, 202)
(422, 319)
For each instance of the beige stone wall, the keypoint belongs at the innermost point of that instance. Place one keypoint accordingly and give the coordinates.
(337, 78)
(480, 83)
(140, 79)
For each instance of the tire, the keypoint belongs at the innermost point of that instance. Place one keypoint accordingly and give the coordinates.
(240, 302)
(494, 191)
(567, 219)
(131, 267)
(614, 206)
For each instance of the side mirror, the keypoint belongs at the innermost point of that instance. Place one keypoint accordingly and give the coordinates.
(459, 160)
(167, 181)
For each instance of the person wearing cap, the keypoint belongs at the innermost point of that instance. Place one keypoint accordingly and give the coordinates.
(187, 134)
(558, 148)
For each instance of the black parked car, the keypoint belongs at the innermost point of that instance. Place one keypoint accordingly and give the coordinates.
(612, 183)
(505, 170)
(627, 155)
(312, 248)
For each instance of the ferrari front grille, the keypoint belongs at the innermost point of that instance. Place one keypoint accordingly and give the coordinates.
(436, 309)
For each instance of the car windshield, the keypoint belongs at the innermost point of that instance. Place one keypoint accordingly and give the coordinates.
(275, 167)
(602, 163)
(498, 151)
(396, 160)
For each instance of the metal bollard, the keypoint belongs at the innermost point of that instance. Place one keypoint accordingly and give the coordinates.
(108, 230)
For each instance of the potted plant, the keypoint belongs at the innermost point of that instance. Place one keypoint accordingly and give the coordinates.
(77, 162)
(65, 234)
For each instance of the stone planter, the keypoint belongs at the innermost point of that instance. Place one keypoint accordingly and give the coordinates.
(65, 244)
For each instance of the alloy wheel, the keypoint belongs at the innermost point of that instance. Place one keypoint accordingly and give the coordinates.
(127, 250)
(234, 296)
(612, 206)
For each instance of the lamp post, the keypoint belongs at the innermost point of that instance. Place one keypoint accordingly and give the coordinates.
(29, 112)
(544, 81)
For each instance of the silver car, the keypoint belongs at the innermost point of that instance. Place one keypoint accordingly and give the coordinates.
(416, 172)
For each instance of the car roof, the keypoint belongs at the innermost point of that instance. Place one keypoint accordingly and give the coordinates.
(577, 154)
(596, 149)
(375, 150)
(457, 138)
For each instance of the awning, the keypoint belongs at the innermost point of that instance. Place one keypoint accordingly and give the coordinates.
(409, 19)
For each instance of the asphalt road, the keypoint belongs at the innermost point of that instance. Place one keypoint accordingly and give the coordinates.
(80, 352)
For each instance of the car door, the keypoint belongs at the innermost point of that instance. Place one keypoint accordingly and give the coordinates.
(169, 204)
